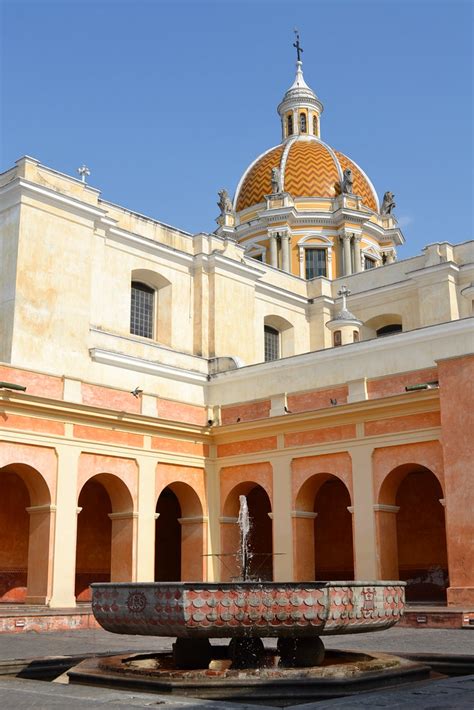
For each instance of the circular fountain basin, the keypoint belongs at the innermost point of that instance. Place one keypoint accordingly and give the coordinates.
(250, 609)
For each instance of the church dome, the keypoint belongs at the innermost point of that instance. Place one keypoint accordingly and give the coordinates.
(308, 168)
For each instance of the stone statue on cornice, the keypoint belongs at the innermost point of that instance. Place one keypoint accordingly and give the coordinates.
(347, 182)
(388, 204)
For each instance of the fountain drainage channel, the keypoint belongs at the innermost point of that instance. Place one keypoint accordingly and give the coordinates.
(293, 668)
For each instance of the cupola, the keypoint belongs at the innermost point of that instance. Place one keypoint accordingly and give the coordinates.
(300, 109)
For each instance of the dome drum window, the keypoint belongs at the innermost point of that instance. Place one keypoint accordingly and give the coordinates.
(303, 123)
(315, 262)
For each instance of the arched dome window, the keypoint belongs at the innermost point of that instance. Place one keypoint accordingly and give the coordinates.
(389, 329)
(303, 126)
(289, 124)
(315, 126)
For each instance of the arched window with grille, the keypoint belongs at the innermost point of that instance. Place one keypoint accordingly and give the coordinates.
(289, 125)
(315, 126)
(141, 310)
(303, 127)
(272, 343)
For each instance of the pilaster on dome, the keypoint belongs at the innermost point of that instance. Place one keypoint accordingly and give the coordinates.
(300, 109)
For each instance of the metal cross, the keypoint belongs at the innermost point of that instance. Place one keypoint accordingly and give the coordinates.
(344, 292)
(297, 45)
(83, 172)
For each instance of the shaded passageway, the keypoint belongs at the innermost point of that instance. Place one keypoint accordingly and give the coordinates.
(25, 535)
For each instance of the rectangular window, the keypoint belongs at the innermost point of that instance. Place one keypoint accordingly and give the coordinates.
(141, 310)
(369, 263)
(272, 341)
(315, 262)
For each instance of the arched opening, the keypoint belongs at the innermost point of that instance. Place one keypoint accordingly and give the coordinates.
(322, 530)
(303, 123)
(412, 533)
(315, 126)
(384, 324)
(333, 550)
(389, 329)
(104, 547)
(25, 525)
(180, 535)
(150, 306)
(289, 124)
(260, 537)
(168, 538)
(278, 338)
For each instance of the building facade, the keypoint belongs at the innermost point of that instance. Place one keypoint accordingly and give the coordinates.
(287, 356)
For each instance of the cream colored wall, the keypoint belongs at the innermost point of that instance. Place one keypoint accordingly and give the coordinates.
(75, 260)
(9, 228)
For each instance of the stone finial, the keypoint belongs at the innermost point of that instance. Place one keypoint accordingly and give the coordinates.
(84, 172)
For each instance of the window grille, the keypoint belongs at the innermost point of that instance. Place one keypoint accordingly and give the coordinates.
(141, 310)
(315, 125)
(302, 122)
(272, 343)
(290, 125)
(315, 262)
(369, 263)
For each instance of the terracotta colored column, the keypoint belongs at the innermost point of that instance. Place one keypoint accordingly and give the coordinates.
(193, 548)
(456, 382)
(213, 526)
(363, 524)
(230, 540)
(281, 518)
(303, 545)
(65, 532)
(145, 524)
(40, 553)
(387, 547)
(122, 562)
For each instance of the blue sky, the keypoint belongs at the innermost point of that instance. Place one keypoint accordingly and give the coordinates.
(168, 101)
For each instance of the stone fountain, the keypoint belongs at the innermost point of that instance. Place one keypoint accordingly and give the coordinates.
(245, 611)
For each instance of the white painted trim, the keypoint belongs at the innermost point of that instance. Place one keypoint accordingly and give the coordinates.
(303, 514)
(279, 293)
(39, 509)
(383, 508)
(127, 515)
(128, 362)
(54, 196)
(150, 245)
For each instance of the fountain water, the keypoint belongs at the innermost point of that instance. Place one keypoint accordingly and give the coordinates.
(296, 613)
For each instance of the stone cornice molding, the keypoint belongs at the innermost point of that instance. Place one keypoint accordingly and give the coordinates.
(19, 186)
(41, 509)
(150, 246)
(281, 294)
(193, 520)
(384, 508)
(228, 520)
(126, 515)
(130, 362)
(307, 514)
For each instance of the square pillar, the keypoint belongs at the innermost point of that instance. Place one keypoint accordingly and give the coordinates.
(363, 524)
(282, 520)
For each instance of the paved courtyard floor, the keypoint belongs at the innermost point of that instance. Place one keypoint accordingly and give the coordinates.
(19, 694)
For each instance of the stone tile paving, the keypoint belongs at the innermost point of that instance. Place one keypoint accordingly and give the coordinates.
(449, 694)
(73, 643)
(37, 695)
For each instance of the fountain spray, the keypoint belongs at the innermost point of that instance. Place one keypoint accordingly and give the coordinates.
(244, 526)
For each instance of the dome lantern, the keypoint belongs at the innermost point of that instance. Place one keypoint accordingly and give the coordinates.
(300, 109)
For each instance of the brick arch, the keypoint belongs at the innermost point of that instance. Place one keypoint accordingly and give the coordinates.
(26, 524)
(392, 463)
(182, 523)
(106, 526)
(255, 482)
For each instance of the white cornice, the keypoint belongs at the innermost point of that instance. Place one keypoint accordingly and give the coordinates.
(128, 362)
(48, 194)
(281, 294)
(149, 245)
(376, 346)
(235, 267)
